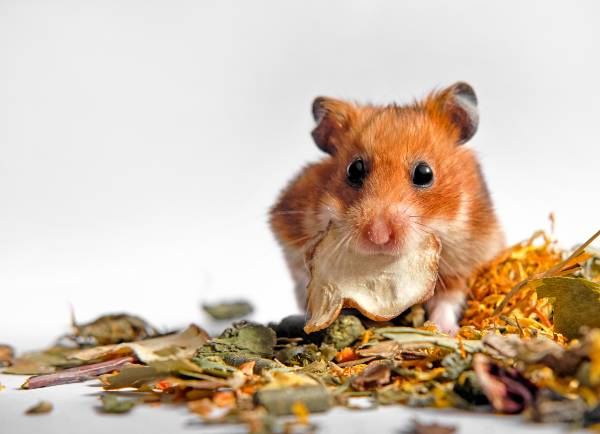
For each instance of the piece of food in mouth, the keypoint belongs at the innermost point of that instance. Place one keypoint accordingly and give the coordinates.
(380, 286)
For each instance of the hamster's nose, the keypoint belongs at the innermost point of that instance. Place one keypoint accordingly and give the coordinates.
(379, 231)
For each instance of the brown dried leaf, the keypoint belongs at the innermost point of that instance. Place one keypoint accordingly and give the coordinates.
(178, 346)
(376, 374)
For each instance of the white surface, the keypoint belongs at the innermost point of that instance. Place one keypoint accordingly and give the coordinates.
(142, 142)
(74, 411)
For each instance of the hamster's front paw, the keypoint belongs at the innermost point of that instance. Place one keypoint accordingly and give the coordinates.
(444, 310)
(445, 319)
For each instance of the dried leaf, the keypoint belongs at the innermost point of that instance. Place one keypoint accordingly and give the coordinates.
(506, 388)
(42, 362)
(576, 303)
(133, 376)
(376, 374)
(381, 287)
(112, 404)
(412, 337)
(111, 329)
(182, 345)
(41, 407)
(228, 310)
(550, 407)
(245, 336)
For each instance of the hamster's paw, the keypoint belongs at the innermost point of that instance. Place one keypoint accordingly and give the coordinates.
(444, 310)
(445, 319)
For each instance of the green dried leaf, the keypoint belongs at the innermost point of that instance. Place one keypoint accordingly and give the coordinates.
(243, 339)
(455, 365)
(237, 359)
(576, 303)
(134, 376)
(228, 310)
(279, 401)
(303, 355)
(213, 365)
(41, 407)
(255, 338)
(112, 329)
(112, 404)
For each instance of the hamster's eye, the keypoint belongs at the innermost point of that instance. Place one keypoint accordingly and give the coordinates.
(422, 175)
(356, 173)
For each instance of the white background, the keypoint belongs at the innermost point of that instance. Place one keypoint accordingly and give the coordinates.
(142, 142)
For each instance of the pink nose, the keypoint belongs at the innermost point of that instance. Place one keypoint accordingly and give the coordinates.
(379, 231)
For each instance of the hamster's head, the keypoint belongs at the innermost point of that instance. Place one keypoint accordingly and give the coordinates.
(399, 172)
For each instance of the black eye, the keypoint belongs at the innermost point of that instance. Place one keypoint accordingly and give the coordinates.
(356, 173)
(422, 175)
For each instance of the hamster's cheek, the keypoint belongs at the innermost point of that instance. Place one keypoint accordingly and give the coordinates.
(330, 209)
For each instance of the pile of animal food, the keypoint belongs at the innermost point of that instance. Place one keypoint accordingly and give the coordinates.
(529, 343)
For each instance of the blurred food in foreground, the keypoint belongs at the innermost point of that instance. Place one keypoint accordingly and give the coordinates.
(529, 344)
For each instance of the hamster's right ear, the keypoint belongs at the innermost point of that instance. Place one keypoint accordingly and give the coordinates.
(333, 118)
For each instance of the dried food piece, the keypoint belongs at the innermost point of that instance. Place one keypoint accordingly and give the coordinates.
(6, 355)
(280, 401)
(506, 388)
(380, 286)
(41, 407)
(429, 428)
(42, 362)
(344, 331)
(375, 375)
(246, 336)
(111, 329)
(228, 310)
(176, 346)
(112, 404)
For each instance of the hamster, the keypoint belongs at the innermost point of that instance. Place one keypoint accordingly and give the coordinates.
(391, 175)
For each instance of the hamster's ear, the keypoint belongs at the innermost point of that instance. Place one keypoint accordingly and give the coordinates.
(459, 104)
(333, 118)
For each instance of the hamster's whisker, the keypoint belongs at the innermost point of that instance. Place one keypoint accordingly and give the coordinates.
(291, 212)
(300, 239)
(335, 249)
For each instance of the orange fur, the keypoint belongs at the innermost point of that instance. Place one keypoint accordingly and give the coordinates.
(392, 139)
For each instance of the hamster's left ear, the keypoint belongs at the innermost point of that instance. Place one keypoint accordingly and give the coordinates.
(333, 118)
(459, 104)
